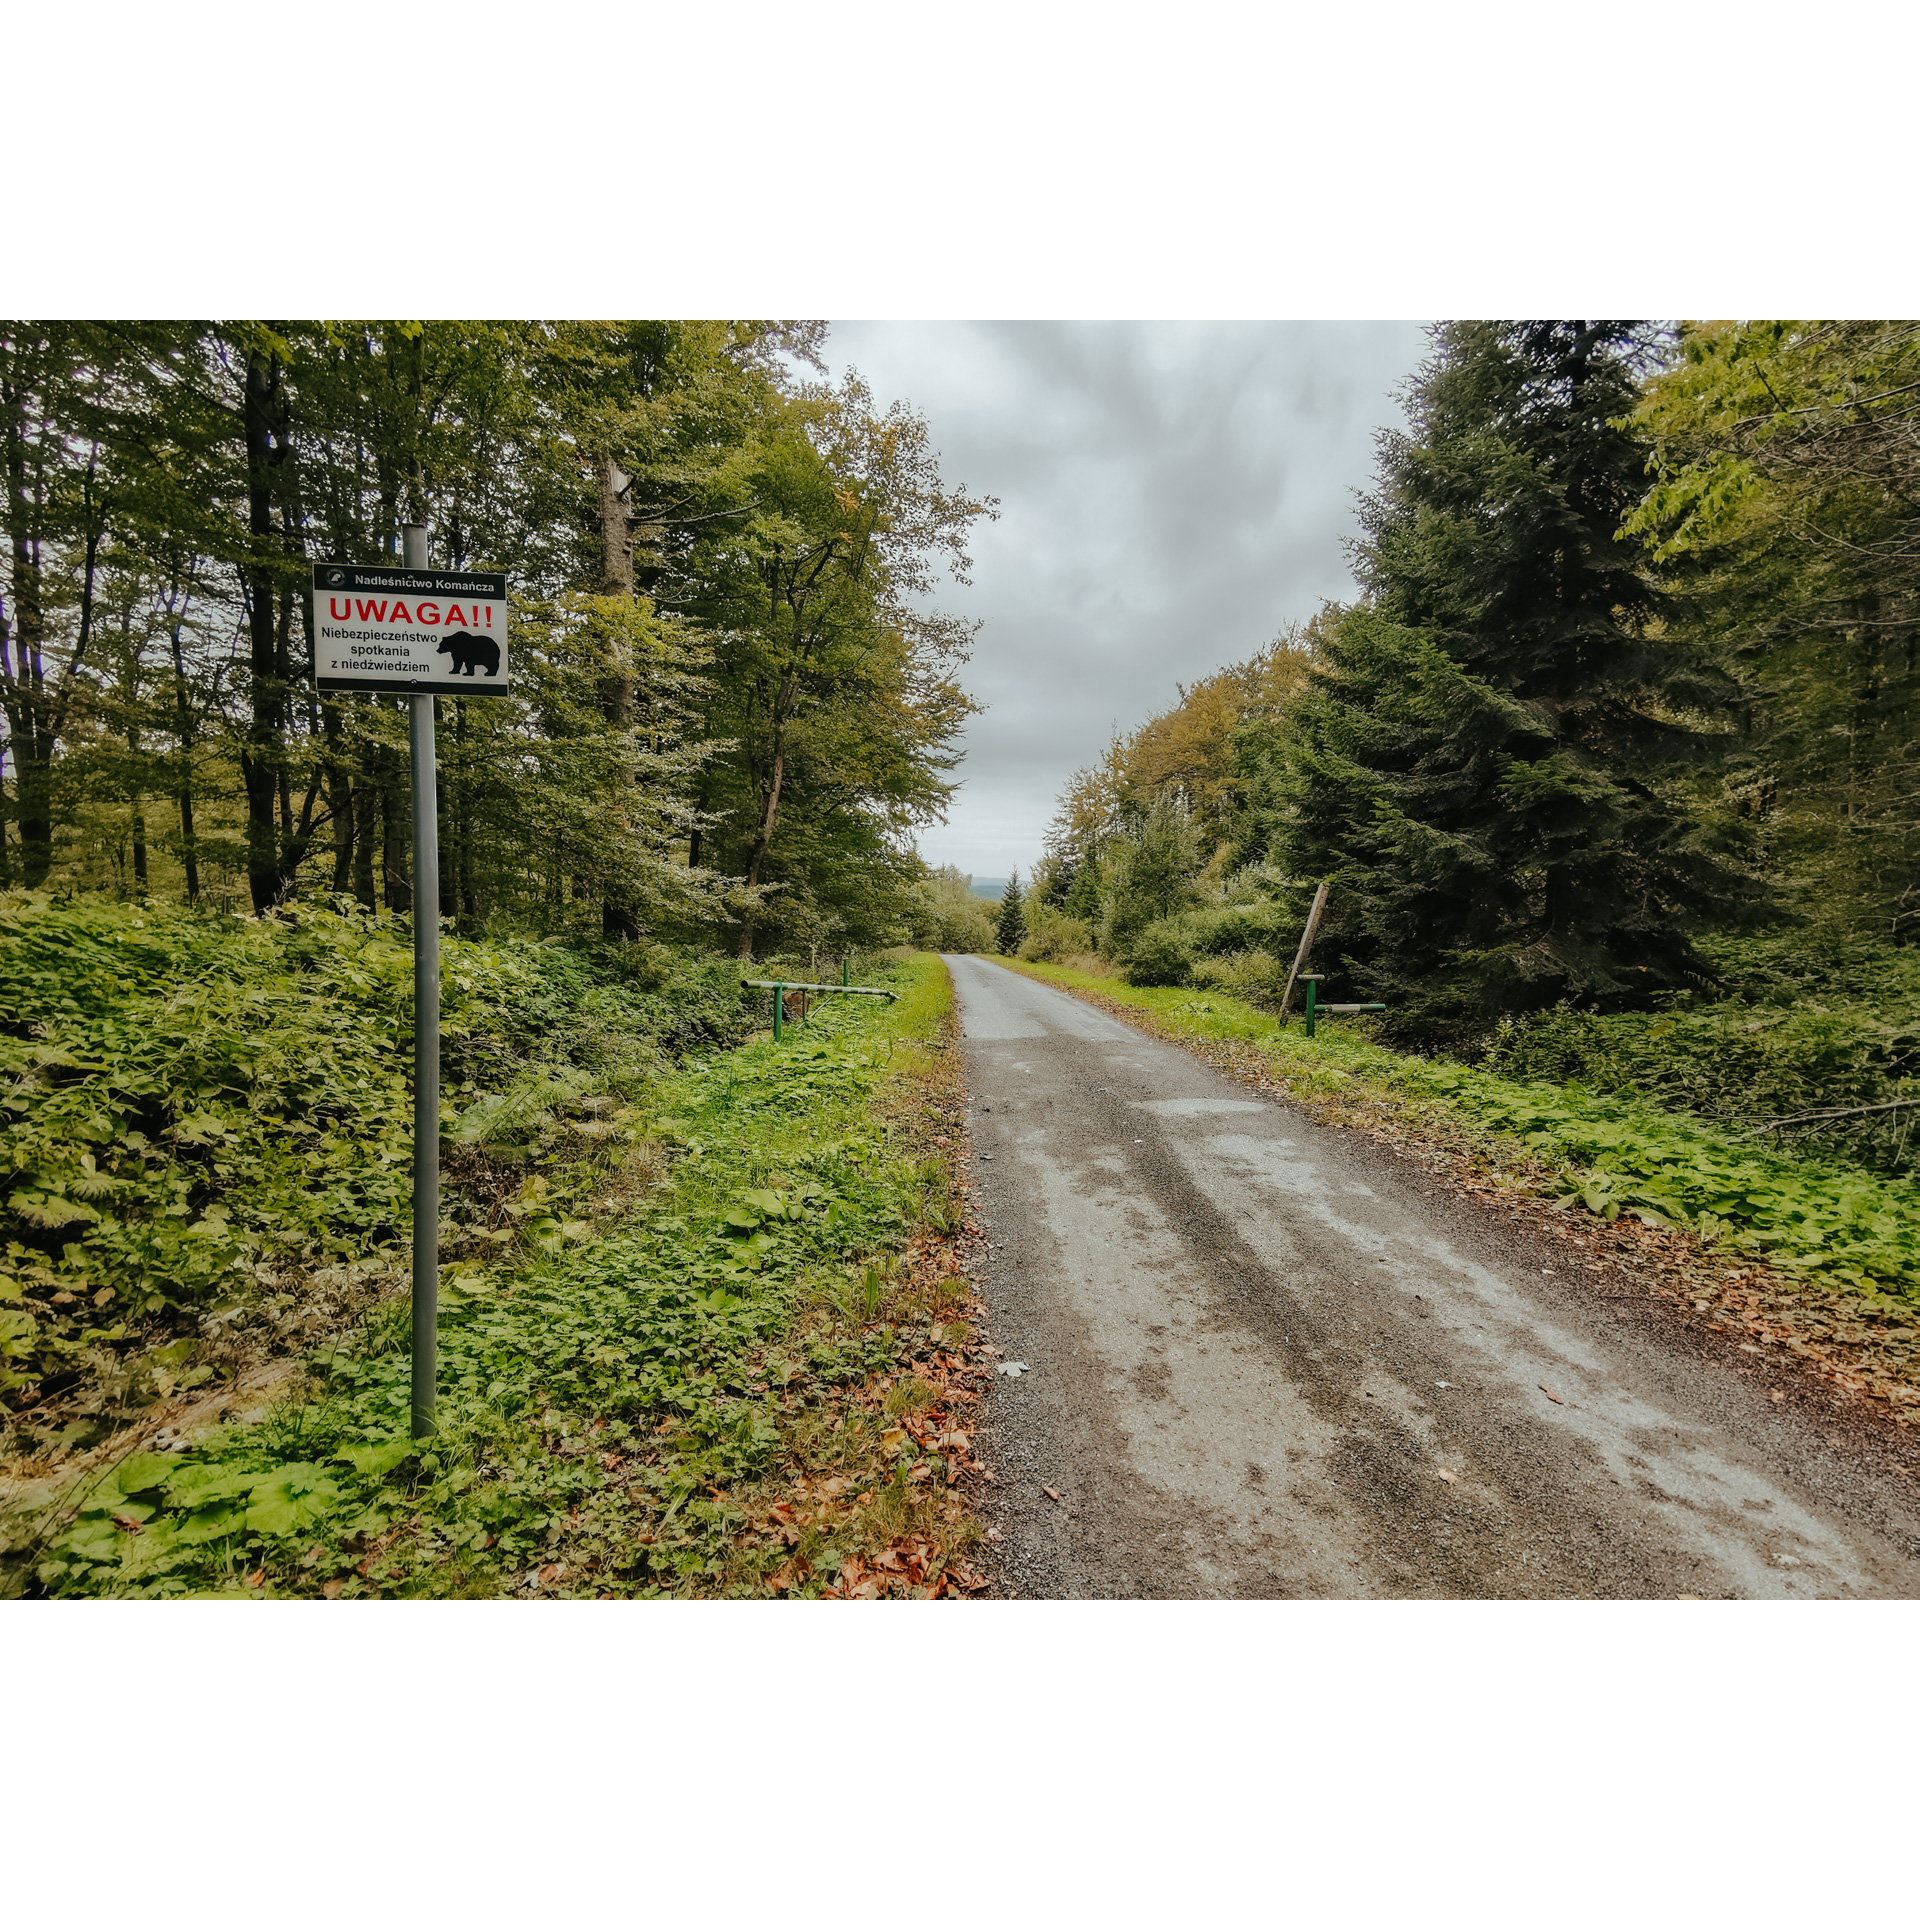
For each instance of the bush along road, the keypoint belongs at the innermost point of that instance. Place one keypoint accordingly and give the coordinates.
(723, 1349)
(1289, 1318)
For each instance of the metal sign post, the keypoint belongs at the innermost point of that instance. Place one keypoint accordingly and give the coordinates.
(415, 631)
(426, 1038)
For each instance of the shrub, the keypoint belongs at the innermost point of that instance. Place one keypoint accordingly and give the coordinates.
(945, 915)
(1159, 957)
(1053, 936)
(1258, 978)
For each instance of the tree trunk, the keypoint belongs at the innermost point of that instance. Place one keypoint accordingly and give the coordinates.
(21, 647)
(616, 536)
(617, 921)
(366, 805)
(395, 822)
(189, 851)
(261, 419)
(769, 814)
(469, 906)
(339, 795)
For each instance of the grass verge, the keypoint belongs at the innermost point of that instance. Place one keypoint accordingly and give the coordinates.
(1822, 1261)
(740, 1363)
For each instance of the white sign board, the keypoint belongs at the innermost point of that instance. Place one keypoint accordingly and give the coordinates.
(389, 630)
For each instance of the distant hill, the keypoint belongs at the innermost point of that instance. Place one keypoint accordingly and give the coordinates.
(987, 889)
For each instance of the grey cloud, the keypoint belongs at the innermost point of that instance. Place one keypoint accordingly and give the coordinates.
(1172, 494)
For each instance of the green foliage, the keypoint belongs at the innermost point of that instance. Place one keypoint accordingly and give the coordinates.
(1484, 767)
(945, 915)
(595, 1395)
(199, 1108)
(1786, 475)
(1150, 872)
(1052, 934)
(1808, 1026)
(1159, 957)
(1010, 923)
(732, 696)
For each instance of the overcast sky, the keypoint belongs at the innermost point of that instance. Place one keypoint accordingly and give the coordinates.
(1171, 495)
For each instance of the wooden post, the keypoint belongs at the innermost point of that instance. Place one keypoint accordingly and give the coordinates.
(1306, 946)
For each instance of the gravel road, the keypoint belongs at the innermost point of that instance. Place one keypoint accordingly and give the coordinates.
(1268, 1359)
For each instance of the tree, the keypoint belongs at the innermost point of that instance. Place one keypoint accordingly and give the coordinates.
(1150, 872)
(838, 702)
(1487, 764)
(1010, 923)
(1787, 509)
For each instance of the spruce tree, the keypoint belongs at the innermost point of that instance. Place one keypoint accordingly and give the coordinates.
(1485, 766)
(1011, 927)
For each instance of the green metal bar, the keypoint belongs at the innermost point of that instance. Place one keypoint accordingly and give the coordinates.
(869, 993)
(1311, 986)
(779, 1010)
(845, 976)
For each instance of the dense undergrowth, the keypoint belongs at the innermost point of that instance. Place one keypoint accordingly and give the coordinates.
(623, 1364)
(209, 1122)
(1827, 1221)
(1804, 1025)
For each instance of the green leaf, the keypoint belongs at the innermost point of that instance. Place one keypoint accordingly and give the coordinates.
(291, 1497)
(376, 1462)
(144, 1471)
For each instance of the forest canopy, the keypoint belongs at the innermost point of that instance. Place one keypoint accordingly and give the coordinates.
(732, 704)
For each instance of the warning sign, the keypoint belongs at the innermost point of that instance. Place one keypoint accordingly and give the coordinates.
(391, 630)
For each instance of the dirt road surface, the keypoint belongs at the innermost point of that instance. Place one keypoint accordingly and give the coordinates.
(1266, 1359)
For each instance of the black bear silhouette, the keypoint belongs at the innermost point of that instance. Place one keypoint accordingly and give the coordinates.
(471, 650)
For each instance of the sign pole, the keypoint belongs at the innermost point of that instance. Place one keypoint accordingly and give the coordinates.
(406, 630)
(426, 1038)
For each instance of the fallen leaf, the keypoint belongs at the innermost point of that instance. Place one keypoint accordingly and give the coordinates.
(257, 1578)
(331, 1591)
(1554, 1397)
(892, 1440)
(994, 1533)
(1776, 1395)
(1452, 1479)
(1013, 1369)
(1049, 1492)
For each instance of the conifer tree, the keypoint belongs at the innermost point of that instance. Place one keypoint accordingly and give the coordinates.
(1011, 926)
(1484, 766)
